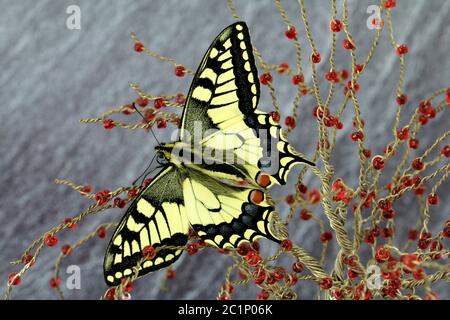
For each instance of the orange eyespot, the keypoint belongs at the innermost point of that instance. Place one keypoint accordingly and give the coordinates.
(256, 196)
(263, 180)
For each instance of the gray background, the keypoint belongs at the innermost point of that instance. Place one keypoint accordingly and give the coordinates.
(51, 77)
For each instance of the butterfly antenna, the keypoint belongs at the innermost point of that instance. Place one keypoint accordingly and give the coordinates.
(151, 130)
(143, 173)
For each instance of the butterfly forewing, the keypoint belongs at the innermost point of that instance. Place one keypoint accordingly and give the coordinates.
(223, 100)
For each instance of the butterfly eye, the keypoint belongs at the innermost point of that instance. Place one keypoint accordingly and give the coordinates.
(161, 159)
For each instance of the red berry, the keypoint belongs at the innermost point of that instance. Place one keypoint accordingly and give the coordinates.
(402, 49)
(119, 203)
(161, 123)
(369, 239)
(378, 163)
(139, 47)
(344, 74)
(290, 199)
(326, 283)
(354, 86)
(291, 33)
(385, 205)
(326, 236)
(192, 248)
(108, 124)
(414, 143)
(265, 78)
(402, 99)
(66, 249)
(127, 285)
(159, 103)
(412, 234)
(146, 182)
(352, 274)
(133, 192)
(382, 254)
(314, 196)
(336, 25)
(297, 79)
(417, 164)
(425, 107)
(180, 71)
(305, 214)
(375, 231)
(377, 23)
(149, 252)
(315, 57)
(275, 116)
(446, 151)
(387, 232)
(102, 197)
(282, 68)
(14, 279)
(180, 98)
(127, 109)
(85, 189)
(101, 232)
(390, 4)
(50, 240)
(359, 68)
(243, 249)
(69, 223)
(110, 294)
(446, 231)
(263, 295)
(419, 274)
(298, 267)
(170, 274)
(149, 115)
(252, 258)
(286, 245)
(290, 122)
(302, 188)
(259, 275)
(255, 246)
(348, 45)
(332, 76)
(367, 153)
(28, 259)
(54, 282)
(142, 102)
(432, 199)
(403, 133)
(357, 136)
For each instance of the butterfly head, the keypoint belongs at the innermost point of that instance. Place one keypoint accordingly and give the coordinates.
(164, 152)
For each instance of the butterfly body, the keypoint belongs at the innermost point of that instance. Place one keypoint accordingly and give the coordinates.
(227, 153)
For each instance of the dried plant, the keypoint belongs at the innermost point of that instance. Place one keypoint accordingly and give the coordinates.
(368, 209)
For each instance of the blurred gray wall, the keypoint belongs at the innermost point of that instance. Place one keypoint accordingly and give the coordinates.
(50, 77)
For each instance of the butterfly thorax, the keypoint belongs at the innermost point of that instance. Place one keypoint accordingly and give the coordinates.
(181, 154)
(192, 159)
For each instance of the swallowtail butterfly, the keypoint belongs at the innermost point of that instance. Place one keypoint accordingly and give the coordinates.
(209, 196)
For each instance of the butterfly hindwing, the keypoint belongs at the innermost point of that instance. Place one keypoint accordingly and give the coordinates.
(157, 217)
(226, 215)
